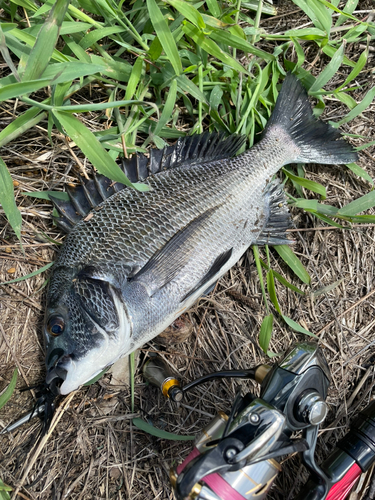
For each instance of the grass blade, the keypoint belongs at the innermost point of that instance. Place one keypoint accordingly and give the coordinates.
(290, 258)
(259, 269)
(135, 76)
(7, 200)
(329, 71)
(188, 11)
(150, 429)
(296, 327)
(165, 36)
(18, 89)
(44, 195)
(92, 148)
(168, 108)
(27, 276)
(211, 47)
(19, 126)
(360, 205)
(265, 333)
(357, 170)
(272, 290)
(7, 394)
(310, 185)
(318, 14)
(45, 42)
(365, 103)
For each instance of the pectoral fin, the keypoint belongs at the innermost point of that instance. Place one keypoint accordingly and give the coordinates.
(166, 263)
(214, 269)
(277, 217)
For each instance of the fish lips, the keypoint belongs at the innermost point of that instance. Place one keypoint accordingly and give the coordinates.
(58, 372)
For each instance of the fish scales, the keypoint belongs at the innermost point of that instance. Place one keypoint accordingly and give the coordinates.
(143, 258)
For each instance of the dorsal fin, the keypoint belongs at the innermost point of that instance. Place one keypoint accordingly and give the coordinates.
(186, 152)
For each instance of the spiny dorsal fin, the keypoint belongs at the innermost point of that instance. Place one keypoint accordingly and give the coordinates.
(186, 152)
(277, 217)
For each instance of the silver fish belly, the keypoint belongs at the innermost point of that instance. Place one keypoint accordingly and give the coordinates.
(143, 258)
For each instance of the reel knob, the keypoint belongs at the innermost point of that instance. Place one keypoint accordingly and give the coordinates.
(311, 408)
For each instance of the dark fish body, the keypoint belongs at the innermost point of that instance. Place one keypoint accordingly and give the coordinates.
(139, 259)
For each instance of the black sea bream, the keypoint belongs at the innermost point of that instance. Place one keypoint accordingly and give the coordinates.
(134, 261)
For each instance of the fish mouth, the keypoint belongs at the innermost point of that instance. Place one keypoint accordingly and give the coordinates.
(57, 373)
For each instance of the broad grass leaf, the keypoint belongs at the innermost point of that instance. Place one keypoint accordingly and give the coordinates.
(45, 42)
(27, 276)
(364, 146)
(22, 88)
(214, 7)
(356, 169)
(286, 283)
(155, 49)
(92, 148)
(30, 41)
(166, 114)
(298, 328)
(362, 219)
(7, 200)
(135, 76)
(69, 28)
(7, 394)
(4, 488)
(329, 71)
(26, 4)
(150, 429)
(165, 36)
(299, 51)
(291, 259)
(350, 6)
(326, 219)
(272, 290)
(205, 43)
(265, 333)
(99, 106)
(19, 126)
(330, 51)
(347, 99)
(318, 14)
(360, 205)
(44, 195)
(306, 34)
(310, 185)
(259, 269)
(356, 70)
(364, 104)
(66, 72)
(254, 5)
(306, 204)
(189, 12)
(186, 85)
(96, 35)
(239, 43)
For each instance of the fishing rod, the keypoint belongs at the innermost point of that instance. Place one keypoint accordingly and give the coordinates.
(235, 456)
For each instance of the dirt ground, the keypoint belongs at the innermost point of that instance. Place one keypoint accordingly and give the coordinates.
(95, 452)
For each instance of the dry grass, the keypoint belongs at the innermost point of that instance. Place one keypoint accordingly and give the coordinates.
(94, 452)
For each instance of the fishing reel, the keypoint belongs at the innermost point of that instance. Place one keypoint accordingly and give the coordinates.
(234, 458)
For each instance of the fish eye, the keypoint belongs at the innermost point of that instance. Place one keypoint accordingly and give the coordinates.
(55, 326)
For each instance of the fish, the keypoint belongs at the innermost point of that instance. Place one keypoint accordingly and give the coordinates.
(133, 261)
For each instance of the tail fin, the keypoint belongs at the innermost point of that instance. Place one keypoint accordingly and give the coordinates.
(315, 139)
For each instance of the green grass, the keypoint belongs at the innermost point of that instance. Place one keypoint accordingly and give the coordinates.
(173, 61)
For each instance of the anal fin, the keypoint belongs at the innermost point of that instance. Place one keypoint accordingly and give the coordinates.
(277, 217)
